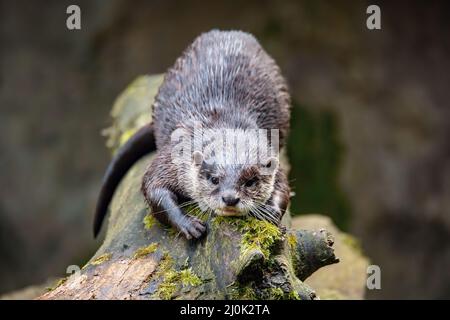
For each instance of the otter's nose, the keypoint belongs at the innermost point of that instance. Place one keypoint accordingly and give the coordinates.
(230, 200)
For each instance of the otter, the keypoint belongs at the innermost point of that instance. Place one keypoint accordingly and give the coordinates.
(224, 81)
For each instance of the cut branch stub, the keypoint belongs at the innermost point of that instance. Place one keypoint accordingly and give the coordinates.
(310, 251)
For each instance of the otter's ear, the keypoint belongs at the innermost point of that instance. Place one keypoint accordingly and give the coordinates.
(197, 158)
(271, 164)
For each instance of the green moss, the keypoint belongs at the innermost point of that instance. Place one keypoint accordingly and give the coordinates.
(276, 293)
(280, 294)
(188, 278)
(149, 221)
(169, 285)
(217, 221)
(316, 160)
(173, 279)
(247, 292)
(144, 251)
(256, 234)
(238, 292)
(293, 295)
(100, 259)
(166, 263)
(292, 240)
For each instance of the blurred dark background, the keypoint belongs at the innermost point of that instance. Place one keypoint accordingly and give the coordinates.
(370, 144)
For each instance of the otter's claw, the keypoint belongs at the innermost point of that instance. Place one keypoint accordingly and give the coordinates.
(192, 227)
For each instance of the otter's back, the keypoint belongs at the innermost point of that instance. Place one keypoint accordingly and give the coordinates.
(222, 72)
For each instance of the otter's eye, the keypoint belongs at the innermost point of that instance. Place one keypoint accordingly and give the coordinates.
(214, 180)
(251, 182)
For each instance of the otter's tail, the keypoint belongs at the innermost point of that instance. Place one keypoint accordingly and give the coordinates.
(140, 144)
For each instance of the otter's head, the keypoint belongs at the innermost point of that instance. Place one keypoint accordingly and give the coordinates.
(232, 189)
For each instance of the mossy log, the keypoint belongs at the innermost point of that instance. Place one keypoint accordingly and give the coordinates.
(239, 258)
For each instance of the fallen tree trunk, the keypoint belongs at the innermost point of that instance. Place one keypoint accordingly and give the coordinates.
(240, 258)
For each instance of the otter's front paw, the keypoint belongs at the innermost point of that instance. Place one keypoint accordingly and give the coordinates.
(192, 227)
